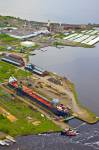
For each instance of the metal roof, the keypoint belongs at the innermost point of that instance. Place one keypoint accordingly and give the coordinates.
(11, 61)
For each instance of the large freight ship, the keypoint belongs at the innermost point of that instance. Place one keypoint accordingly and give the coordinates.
(21, 89)
(37, 70)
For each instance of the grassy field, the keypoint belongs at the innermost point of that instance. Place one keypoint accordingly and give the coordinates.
(2, 49)
(72, 44)
(7, 39)
(21, 111)
(6, 70)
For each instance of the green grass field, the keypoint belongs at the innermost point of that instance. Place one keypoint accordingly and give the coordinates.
(7, 70)
(6, 41)
(6, 38)
(21, 111)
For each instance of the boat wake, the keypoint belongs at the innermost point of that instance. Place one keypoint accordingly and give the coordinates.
(88, 138)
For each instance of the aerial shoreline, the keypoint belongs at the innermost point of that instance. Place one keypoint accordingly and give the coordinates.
(77, 110)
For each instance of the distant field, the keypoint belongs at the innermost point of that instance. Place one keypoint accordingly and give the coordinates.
(7, 38)
(7, 41)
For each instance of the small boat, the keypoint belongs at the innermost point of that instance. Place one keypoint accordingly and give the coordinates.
(2, 143)
(69, 132)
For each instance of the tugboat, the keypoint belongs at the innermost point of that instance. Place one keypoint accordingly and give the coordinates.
(69, 132)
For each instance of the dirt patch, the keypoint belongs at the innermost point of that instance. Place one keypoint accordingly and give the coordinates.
(6, 114)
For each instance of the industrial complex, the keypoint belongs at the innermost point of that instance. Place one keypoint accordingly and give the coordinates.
(31, 97)
(89, 37)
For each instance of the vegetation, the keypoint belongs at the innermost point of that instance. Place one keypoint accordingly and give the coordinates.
(60, 35)
(8, 21)
(7, 39)
(73, 44)
(6, 70)
(23, 125)
(2, 48)
(21, 111)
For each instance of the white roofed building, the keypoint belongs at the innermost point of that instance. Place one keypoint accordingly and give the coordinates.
(28, 44)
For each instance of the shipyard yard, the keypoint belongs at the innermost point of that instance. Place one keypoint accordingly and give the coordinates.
(34, 100)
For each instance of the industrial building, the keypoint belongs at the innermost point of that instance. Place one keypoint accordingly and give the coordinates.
(59, 109)
(37, 70)
(13, 59)
(30, 35)
(28, 44)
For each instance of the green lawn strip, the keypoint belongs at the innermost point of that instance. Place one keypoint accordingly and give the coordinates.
(7, 70)
(72, 44)
(60, 35)
(6, 38)
(2, 48)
